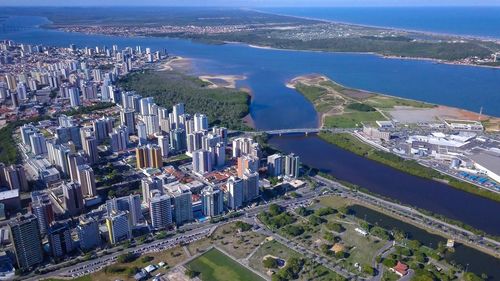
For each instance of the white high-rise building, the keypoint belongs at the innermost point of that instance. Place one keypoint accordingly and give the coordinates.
(275, 165)
(160, 211)
(142, 133)
(292, 165)
(38, 144)
(152, 124)
(212, 200)
(245, 146)
(200, 122)
(164, 144)
(235, 193)
(127, 119)
(202, 161)
(119, 139)
(183, 205)
(131, 204)
(250, 186)
(86, 178)
(118, 227)
(177, 111)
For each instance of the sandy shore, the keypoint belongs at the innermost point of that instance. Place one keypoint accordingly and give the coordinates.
(176, 63)
(222, 81)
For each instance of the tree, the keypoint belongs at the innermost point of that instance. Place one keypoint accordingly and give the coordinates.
(270, 262)
(147, 259)
(368, 270)
(191, 273)
(315, 220)
(125, 258)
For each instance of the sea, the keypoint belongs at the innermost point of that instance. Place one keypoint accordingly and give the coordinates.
(467, 21)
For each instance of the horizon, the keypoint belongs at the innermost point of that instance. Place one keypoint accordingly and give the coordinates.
(255, 3)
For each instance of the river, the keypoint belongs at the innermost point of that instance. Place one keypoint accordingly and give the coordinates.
(474, 260)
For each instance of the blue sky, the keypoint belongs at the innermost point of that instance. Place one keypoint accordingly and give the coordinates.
(250, 3)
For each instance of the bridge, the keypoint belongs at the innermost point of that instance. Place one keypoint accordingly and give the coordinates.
(300, 131)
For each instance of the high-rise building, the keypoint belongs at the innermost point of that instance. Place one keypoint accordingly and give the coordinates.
(245, 146)
(25, 236)
(75, 160)
(177, 111)
(72, 198)
(15, 177)
(194, 142)
(164, 144)
(221, 132)
(148, 185)
(292, 165)
(183, 205)
(219, 153)
(247, 163)
(148, 156)
(61, 243)
(160, 211)
(90, 149)
(275, 165)
(118, 226)
(152, 124)
(127, 118)
(88, 233)
(142, 133)
(202, 162)
(74, 97)
(200, 122)
(38, 144)
(86, 178)
(212, 200)
(119, 139)
(235, 188)
(131, 204)
(178, 139)
(145, 105)
(250, 186)
(41, 207)
(103, 127)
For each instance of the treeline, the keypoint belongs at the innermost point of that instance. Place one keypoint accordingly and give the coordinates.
(224, 107)
(385, 46)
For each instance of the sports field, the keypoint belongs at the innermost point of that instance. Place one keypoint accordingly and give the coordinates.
(216, 266)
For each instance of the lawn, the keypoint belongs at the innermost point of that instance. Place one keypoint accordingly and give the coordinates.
(229, 239)
(216, 266)
(171, 257)
(352, 119)
(390, 102)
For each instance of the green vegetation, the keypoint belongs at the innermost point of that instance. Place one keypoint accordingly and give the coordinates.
(401, 48)
(276, 217)
(88, 109)
(352, 119)
(216, 266)
(349, 142)
(224, 107)
(360, 107)
(242, 226)
(270, 262)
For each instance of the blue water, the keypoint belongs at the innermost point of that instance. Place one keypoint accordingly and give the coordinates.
(276, 107)
(473, 21)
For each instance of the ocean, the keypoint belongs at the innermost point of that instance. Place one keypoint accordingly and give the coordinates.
(471, 21)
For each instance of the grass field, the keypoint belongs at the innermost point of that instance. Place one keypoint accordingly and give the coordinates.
(229, 239)
(216, 266)
(352, 119)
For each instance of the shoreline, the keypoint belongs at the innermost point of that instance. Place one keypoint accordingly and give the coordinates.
(222, 80)
(448, 112)
(408, 30)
